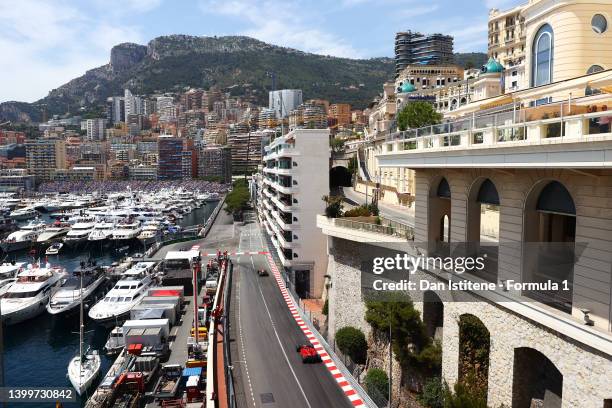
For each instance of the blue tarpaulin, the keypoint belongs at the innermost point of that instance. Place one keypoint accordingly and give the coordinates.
(189, 371)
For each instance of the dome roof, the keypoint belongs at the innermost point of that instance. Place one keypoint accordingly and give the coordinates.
(493, 66)
(407, 87)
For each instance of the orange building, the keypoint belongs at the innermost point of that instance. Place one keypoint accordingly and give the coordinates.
(341, 112)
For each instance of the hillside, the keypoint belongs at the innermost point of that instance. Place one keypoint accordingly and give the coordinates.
(235, 64)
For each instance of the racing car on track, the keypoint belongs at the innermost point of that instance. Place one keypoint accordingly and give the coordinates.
(308, 353)
(262, 272)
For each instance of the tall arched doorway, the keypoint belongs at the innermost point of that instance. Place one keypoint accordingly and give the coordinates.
(439, 226)
(549, 249)
(474, 350)
(536, 381)
(483, 226)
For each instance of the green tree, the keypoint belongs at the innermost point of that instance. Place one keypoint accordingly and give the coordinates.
(237, 201)
(417, 114)
(352, 342)
(411, 344)
(377, 382)
(337, 145)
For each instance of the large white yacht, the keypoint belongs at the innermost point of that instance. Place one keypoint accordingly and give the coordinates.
(24, 213)
(8, 275)
(52, 233)
(24, 237)
(79, 233)
(27, 296)
(126, 293)
(151, 230)
(102, 230)
(68, 297)
(127, 230)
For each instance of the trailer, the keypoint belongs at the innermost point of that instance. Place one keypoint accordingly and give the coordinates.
(168, 383)
(176, 301)
(151, 336)
(156, 311)
(164, 324)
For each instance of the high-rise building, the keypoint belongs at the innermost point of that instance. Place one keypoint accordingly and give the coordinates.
(165, 108)
(507, 44)
(44, 156)
(246, 151)
(288, 199)
(170, 153)
(425, 49)
(284, 101)
(216, 162)
(133, 104)
(115, 109)
(95, 128)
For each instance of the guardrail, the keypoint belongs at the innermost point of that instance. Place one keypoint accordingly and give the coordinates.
(229, 375)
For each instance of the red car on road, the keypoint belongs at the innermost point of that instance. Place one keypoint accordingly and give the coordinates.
(308, 353)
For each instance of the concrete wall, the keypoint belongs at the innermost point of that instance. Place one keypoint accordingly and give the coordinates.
(586, 372)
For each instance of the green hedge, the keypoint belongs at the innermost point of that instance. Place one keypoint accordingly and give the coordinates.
(377, 382)
(352, 342)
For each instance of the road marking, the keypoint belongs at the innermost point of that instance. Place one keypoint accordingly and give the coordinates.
(345, 386)
(246, 366)
(280, 343)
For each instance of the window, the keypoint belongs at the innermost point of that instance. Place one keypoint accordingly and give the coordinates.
(542, 56)
(594, 68)
(599, 24)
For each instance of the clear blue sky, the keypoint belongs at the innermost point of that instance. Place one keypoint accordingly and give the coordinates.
(45, 43)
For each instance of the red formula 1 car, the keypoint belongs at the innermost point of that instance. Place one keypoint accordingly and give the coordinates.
(262, 272)
(308, 353)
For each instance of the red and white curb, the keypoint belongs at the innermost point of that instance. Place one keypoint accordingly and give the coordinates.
(346, 387)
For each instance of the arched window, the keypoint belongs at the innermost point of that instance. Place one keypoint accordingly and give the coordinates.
(594, 69)
(443, 189)
(542, 56)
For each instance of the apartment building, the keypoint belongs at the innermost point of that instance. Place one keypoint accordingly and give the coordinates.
(44, 156)
(95, 129)
(506, 44)
(526, 178)
(341, 112)
(288, 199)
(170, 158)
(423, 49)
(284, 101)
(215, 161)
(246, 150)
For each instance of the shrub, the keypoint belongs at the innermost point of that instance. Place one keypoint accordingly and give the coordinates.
(377, 382)
(357, 212)
(433, 393)
(463, 398)
(334, 206)
(352, 342)
(237, 200)
(325, 309)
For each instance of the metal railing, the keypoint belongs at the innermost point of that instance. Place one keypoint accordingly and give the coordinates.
(386, 227)
(229, 375)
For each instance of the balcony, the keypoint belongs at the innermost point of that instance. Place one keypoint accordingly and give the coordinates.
(544, 136)
(346, 228)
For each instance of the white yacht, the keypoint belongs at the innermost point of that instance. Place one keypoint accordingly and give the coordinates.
(27, 296)
(52, 233)
(5, 284)
(126, 231)
(126, 293)
(24, 237)
(68, 297)
(102, 230)
(151, 230)
(10, 269)
(54, 248)
(24, 213)
(79, 233)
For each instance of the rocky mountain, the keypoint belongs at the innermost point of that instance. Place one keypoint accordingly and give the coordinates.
(236, 64)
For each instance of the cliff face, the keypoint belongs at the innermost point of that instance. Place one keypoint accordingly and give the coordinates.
(126, 55)
(239, 65)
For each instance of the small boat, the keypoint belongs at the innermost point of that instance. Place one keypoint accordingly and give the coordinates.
(54, 248)
(123, 249)
(85, 366)
(115, 342)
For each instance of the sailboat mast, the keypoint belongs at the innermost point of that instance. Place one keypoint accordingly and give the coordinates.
(81, 316)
